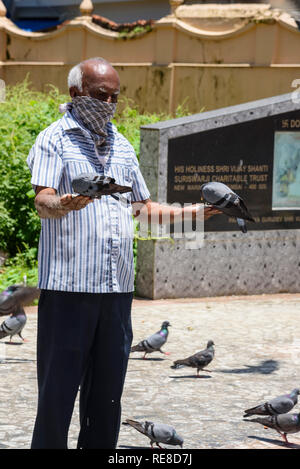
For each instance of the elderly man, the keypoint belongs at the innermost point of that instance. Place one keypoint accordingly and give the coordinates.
(86, 272)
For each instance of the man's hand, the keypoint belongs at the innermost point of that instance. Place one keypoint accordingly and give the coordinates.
(77, 202)
(210, 211)
(50, 205)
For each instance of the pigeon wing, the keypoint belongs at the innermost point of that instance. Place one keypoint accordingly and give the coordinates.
(21, 296)
(281, 404)
(203, 358)
(289, 423)
(156, 341)
(162, 433)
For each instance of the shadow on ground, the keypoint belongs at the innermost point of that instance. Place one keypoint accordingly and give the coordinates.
(265, 367)
(190, 376)
(275, 442)
(147, 359)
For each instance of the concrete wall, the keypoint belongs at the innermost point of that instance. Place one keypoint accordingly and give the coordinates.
(209, 56)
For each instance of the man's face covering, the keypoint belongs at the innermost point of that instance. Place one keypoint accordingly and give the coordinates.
(92, 113)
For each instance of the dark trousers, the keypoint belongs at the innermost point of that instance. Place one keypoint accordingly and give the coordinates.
(83, 340)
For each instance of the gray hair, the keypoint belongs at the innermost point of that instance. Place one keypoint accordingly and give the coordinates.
(75, 77)
(75, 74)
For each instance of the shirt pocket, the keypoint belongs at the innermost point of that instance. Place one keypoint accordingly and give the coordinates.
(121, 174)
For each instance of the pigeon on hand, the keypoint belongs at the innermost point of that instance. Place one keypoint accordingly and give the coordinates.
(16, 296)
(223, 198)
(14, 324)
(157, 432)
(283, 423)
(276, 406)
(154, 342)
(199, 360)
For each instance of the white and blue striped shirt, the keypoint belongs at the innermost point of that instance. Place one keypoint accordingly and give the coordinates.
(89, 250)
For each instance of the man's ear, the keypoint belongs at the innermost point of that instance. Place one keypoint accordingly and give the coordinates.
(74, 91)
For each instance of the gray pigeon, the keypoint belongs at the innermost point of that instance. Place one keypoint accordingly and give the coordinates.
(199, 360)
(154, 342)
(157, 432)
(279, 405)
(283, 423)
(16, 296)
(223, 198)
(14, 324)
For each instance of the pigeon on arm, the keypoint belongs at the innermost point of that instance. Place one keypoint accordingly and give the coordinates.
(278, 405)
(157, 432)
(199, 360)
(222, 197)
(154, 342)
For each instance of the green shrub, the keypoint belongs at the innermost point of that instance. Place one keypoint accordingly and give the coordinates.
(23, 115)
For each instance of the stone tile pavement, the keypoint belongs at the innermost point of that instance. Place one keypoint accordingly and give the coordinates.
(257, 343)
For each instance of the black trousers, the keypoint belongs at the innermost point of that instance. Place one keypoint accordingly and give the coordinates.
(83, 341)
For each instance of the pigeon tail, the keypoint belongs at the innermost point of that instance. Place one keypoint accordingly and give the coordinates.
(135, 424)
(258, 410)
(178, 364)
(265, 421)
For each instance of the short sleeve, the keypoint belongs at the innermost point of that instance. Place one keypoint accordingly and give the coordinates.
(139, 188)
(44, 160)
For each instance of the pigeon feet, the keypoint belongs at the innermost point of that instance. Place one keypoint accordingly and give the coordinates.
(285, 438)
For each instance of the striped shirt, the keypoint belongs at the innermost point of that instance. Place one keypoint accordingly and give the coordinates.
(89, 250)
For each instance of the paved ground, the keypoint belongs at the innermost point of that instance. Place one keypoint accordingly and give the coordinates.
(257, 342)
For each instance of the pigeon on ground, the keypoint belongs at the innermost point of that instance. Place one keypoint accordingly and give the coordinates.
(14, 324)
(157, 432)
(283, 423)
(154, 342)
(223, 198)
(199, 360)
(279, 405)
(16, 296)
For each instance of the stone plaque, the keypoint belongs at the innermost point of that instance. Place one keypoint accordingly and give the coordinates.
(260, 160)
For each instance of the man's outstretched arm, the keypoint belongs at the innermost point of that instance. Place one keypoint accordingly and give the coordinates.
(153, 212)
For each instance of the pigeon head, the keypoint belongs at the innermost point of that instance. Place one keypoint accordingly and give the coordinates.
(165, 325)
(296, 391)
(210, 343)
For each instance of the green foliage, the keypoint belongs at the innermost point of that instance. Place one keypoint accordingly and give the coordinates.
(23, 115)
(135, 32)
(24, 263)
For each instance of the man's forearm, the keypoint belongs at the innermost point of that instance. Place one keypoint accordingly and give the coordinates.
(164, 214)
(49, 206)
